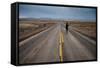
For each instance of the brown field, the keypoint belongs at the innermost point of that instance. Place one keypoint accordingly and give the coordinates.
(29, 28)
(86, 28)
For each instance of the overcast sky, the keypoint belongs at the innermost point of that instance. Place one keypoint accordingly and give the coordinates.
(53, 12)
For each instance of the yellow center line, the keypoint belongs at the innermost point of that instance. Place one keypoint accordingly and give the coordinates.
(61, 46)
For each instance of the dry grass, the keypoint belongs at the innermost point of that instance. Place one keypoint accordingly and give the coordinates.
(29, 28)
(87, 28)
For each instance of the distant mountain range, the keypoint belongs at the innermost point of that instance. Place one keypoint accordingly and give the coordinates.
(48, 19)
(40, 19)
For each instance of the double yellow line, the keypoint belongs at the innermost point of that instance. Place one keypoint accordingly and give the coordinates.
(61, 41)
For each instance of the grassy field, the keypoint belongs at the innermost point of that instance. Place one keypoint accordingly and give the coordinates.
(86, 28)
(28, 28)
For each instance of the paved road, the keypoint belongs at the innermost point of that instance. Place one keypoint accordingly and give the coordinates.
(55, 44)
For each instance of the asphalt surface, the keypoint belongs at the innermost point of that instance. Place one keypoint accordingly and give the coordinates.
(56, 44)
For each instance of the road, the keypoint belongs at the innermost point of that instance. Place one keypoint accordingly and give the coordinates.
(55, 44)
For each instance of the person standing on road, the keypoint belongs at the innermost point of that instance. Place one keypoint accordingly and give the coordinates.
(66, 26)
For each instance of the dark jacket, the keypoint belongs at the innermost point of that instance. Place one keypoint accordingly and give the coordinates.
(66, 26)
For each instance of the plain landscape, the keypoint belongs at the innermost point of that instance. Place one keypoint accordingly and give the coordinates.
(42, 41)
